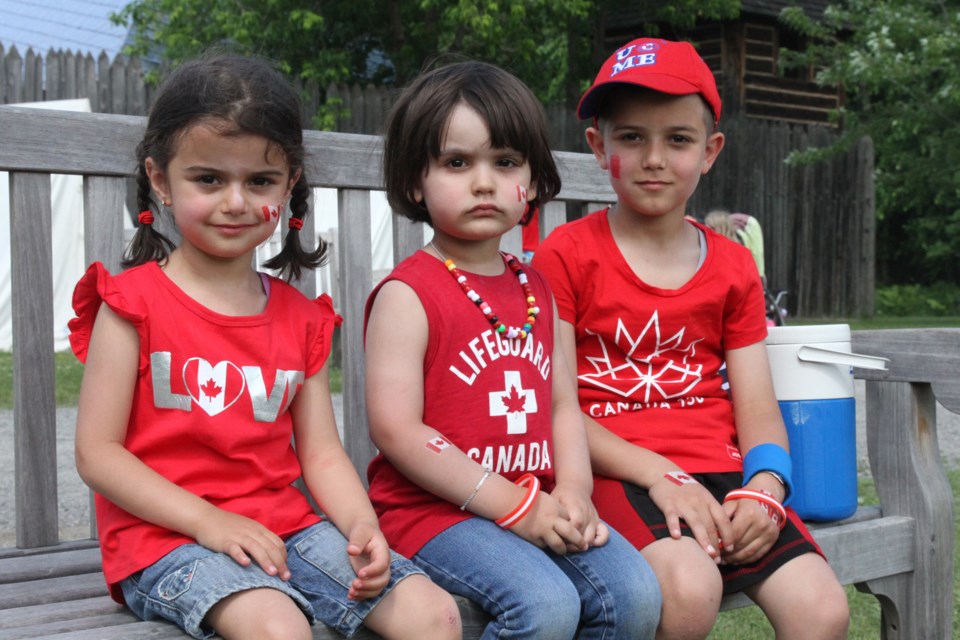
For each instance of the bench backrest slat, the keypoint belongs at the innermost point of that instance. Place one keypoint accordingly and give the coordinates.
(35, 423)
(916, 355)
(356, 276)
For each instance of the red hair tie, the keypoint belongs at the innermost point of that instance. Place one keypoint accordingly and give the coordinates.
(296, 223)
(145, 217)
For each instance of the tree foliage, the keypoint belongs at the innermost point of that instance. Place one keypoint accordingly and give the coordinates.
(896, 61)
(555, 46)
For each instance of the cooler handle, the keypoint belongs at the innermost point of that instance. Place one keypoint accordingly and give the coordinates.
(827, 356)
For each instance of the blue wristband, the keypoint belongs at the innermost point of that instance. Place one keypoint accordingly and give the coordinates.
(769, 457)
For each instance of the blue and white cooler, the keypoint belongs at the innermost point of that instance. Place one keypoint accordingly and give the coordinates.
(812, 371)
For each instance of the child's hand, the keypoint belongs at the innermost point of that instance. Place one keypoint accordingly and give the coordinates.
(242, 538)
(754, 532)
(370, 558)
(583, 516)
(691, 502)
(548, 525)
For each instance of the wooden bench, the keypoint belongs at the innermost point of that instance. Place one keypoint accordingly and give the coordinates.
(900, 551)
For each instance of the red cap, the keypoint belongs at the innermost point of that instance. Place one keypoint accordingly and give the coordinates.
(669, 67)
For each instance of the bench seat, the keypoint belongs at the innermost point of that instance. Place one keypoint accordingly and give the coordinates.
(59, 592)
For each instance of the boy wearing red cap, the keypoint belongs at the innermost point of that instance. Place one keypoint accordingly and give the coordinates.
(693, 470)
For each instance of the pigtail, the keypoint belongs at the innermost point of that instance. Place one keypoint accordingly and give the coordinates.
(292, 259)
(148, 244)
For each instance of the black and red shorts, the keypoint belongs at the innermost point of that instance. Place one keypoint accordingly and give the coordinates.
(629, 509)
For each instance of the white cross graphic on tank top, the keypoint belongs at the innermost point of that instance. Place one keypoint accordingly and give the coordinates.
(514, 402)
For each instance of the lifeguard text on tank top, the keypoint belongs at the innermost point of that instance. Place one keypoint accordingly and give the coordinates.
(510, 401)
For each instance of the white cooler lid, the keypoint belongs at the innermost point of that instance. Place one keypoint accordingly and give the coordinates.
(808, 334)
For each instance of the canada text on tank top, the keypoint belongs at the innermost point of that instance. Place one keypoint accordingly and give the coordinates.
(511, 402)
(644, 368)
(215, 387)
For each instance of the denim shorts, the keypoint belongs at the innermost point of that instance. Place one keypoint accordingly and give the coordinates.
(604, 593)
(186, 583)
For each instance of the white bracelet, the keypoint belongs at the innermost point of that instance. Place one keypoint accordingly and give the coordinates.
(486, 474)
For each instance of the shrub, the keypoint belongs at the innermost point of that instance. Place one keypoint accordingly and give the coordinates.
(940, 299)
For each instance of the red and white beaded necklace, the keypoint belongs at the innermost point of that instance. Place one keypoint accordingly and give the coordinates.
(532, 308)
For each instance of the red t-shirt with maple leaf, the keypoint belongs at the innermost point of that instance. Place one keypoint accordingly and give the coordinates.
(211, 405)
(489, 396)
(649, 359)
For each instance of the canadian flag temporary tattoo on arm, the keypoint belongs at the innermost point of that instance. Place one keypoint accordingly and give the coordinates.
(437, 444)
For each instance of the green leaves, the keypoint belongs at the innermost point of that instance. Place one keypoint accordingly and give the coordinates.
(896, 61)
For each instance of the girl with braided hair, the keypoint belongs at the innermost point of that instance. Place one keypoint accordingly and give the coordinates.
(200, 372)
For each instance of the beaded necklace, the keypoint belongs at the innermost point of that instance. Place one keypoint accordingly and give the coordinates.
(532, 308)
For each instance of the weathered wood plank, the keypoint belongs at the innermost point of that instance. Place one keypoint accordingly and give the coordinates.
(25, 617)
(35, 429)
(97, 144)
(356, 281)
(334, 159)
(133, 631)
(910, 480)
(407, 238)
(38, 567)
(916, 355)
(64, 589)
(83, 621)
(77, 618)
(103, 211)
(865, 550)
(552, 215)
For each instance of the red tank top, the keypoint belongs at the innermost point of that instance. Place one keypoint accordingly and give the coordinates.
(489, 396)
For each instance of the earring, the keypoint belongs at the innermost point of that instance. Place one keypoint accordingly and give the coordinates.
(528, 214)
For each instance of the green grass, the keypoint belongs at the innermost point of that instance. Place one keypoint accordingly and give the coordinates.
(898, 322)
(68, 372)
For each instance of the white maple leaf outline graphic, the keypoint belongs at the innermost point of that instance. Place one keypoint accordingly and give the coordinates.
(647, 371)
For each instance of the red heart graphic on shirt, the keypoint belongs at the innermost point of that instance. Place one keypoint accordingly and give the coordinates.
(214, 388)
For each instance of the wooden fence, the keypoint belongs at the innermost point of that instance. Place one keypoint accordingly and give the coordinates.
(819, 222)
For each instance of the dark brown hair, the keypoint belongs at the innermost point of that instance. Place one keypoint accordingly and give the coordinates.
(418, 121)
(239, 96)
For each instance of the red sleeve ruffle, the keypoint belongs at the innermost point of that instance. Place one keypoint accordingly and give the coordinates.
(329, 320)
(94, 288)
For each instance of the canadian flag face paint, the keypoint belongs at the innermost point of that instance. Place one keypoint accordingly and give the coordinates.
(271, 211)
(521, 193)
(615, 167)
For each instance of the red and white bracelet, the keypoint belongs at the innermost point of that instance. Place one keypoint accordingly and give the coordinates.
(532, 483)
(769, 504)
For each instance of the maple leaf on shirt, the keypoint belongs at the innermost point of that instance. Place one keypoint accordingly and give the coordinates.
(514, 401)
(210, 389)
(648, 367)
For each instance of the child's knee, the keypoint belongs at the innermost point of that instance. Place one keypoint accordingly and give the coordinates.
(826, 610)
(417, 608)
(282, 628)
(440, 618)
(691, 588)
(686, 574)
